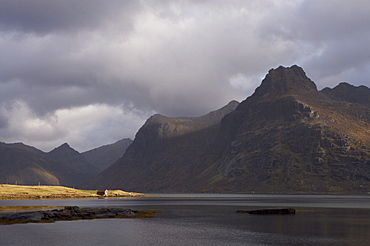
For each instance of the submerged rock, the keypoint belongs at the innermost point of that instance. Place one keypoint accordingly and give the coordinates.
(269, 211)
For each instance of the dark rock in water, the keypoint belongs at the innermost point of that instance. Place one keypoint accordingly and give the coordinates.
(72, 213)
(270, 211)
(25, 216)
(75, 209)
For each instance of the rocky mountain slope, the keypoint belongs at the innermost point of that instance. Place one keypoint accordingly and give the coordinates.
(104, 156)
(289, 137)
(286, 137)
(163, 152)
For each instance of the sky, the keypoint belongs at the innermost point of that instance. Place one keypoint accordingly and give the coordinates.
(91, 72)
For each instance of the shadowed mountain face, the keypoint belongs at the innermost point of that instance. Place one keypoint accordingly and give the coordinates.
(23, 164)
(106, 155)
(286, 137)
(73, 159)
(349, 93)
(163, 152)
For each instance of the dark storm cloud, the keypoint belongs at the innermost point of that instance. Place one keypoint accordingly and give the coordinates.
(78, 70)
(74, 96)
(332, 35)
(3, 121)
(45, 16)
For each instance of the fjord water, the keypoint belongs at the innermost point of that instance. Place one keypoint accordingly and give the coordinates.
(205, 219)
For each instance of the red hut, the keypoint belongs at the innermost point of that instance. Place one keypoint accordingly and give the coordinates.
(102, 192)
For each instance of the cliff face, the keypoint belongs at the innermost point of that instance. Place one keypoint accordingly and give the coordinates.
(286, 137)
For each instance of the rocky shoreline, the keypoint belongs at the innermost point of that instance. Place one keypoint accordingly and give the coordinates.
(73, 213)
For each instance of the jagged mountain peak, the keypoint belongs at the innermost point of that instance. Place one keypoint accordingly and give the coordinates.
(285, 80)
(65, 147)
(72, 158)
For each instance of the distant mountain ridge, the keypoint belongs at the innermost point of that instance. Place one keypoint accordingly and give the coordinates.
(72, 158)
(23, 164)
(349, 93)
(104, 156)
(286, 137)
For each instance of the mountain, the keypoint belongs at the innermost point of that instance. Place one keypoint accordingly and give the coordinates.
(349, 93)
(23, 164)
(104, 156)
(162, 146)
(73, 159)
(21, 146)
(287, 137)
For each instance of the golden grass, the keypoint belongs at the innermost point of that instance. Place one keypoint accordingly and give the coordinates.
(121, 193)
(8, 192)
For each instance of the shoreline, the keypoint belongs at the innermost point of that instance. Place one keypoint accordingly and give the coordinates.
(69, 213)
(64, 197)
(28, 192)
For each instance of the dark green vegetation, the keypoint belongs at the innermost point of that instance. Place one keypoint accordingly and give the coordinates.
(22, 164)
(287, 137)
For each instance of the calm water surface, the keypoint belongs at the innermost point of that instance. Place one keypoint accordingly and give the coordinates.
(205, 219)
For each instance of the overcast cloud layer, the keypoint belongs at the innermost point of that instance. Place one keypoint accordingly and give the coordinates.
(90, 72)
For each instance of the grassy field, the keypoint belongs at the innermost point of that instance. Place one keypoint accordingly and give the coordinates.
(8, 192)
